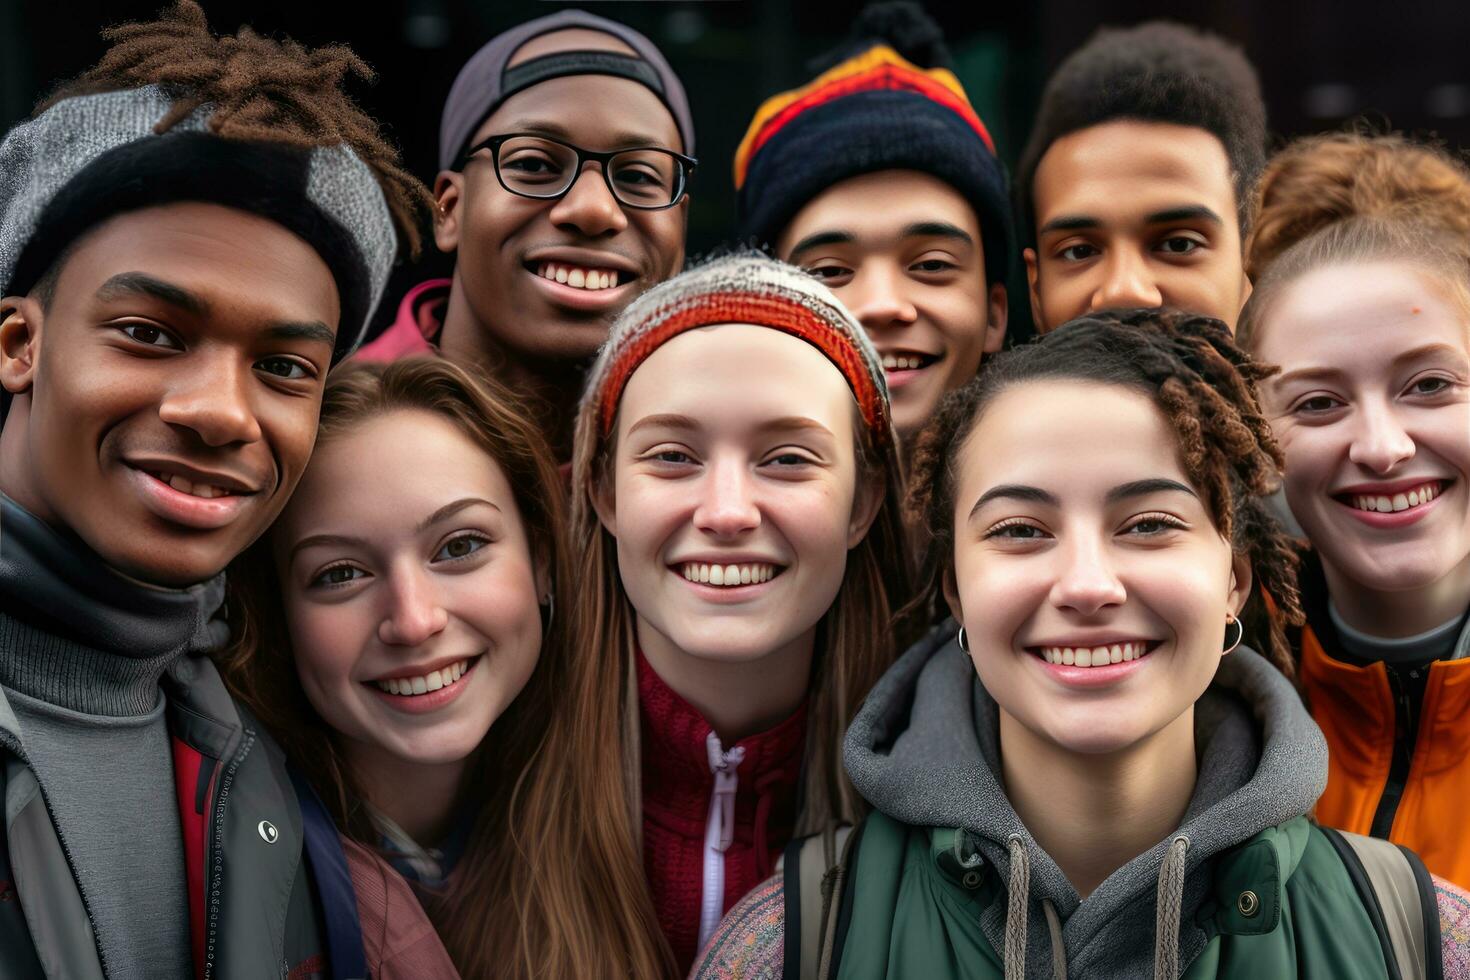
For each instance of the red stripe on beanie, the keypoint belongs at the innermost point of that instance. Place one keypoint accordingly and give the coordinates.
(762, 311)
(882, 78)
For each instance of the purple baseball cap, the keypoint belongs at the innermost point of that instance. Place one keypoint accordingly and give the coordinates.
(485, 82)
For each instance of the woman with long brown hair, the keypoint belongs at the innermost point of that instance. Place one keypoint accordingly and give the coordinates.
(739, 552)
(396, 633)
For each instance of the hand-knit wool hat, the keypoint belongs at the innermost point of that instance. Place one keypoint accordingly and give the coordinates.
(875, 110)
(485, 81)
(748, 288)
(86, 158)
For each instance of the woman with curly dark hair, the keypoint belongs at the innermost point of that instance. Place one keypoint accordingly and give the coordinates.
(1099, 748)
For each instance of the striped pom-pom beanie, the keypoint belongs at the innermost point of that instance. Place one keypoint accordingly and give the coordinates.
(748, 288)
(875, 110)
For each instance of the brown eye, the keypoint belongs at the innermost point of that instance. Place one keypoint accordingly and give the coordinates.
(460, 547)
(339, 575)
(151, 336)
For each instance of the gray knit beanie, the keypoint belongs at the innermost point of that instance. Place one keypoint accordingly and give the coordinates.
(90, 157)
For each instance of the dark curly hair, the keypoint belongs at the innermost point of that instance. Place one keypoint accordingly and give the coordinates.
(1205, 387)
(261, 89)
(1154, 72)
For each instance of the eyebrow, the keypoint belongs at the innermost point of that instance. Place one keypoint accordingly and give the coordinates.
(1124, 491)
(127, 284)
(132, 284)
(919, 229)
(347, 540)
(1318, 373)
(818, 239)
(1015, 491)
(1084, 222)
(313, 330)
(1142, 488)
(688, 424)
(936, 229)
(452, 508)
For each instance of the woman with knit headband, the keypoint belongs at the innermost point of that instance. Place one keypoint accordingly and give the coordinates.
(735, 484)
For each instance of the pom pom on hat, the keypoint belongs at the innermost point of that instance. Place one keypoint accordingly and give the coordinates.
(874, 109)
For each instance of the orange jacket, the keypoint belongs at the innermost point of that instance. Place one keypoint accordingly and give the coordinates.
(1357, 709)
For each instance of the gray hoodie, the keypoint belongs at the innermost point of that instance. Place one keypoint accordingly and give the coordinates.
(924, 749)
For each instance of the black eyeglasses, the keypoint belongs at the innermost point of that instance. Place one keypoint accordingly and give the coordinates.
(649, 178)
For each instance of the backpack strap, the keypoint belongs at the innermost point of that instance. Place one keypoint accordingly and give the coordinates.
(337, 900)
(1398, 895)
(812, 869)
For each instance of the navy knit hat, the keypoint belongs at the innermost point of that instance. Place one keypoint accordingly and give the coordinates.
(874, 111)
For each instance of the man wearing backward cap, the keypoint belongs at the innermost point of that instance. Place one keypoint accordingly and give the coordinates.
(564, 152)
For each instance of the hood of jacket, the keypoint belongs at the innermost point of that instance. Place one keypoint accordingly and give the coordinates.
(924, 750)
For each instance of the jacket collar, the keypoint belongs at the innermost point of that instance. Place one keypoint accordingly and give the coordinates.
(675, 754)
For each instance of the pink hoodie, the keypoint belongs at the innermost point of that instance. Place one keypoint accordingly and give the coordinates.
(415, 329)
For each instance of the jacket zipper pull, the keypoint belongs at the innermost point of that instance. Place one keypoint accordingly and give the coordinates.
(722, 811)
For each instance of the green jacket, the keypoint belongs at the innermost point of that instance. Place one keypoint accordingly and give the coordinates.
(944, 880)
(1280, 905)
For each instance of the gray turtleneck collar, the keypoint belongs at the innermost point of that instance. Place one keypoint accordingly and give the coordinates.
(76, 634)
(1412, 651)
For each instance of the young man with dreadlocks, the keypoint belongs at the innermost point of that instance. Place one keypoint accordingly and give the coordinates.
(548, 250)
(1134, 189)
(880, 179)
(191, 234)
(1099, 777)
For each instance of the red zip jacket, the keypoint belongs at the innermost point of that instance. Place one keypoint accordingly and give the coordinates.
(703, 850)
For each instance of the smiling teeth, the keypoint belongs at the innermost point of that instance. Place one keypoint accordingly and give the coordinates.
(580, 277)
(424, 683)
(204, 491)
(728, 575)
(902, 362)
(1383, 503)
(1094, 656)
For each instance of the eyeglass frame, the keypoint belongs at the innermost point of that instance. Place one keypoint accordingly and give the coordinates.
(600, 157)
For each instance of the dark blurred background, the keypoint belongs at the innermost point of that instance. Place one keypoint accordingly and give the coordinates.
(1323, 63)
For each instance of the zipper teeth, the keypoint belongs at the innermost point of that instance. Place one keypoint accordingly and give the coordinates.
(1401, 762)
(217, 862)
(71, 863)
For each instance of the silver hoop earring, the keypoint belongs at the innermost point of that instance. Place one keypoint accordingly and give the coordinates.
(963, 640)
(548, 612)
(1239, 632)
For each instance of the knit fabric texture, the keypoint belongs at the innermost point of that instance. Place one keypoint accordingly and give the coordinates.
(746, 288)
(677, 785)
(750, 943)
(105, 140)
(875, 111)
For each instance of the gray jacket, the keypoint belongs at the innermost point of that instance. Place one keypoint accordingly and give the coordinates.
(251, 911)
